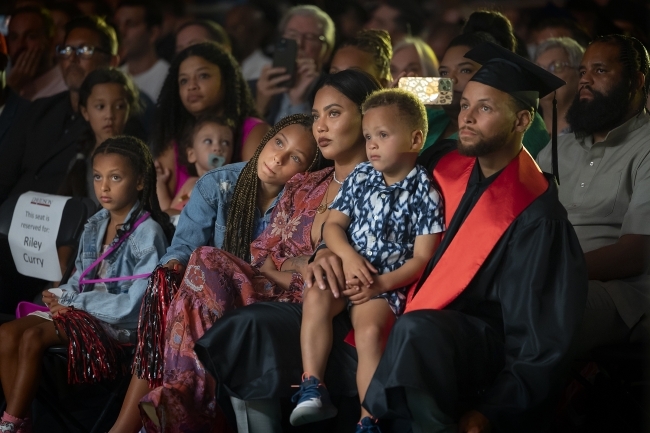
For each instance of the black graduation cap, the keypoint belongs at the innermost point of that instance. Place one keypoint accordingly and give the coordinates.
(518, 77)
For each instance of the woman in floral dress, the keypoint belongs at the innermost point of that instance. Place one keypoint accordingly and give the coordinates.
(216, 281)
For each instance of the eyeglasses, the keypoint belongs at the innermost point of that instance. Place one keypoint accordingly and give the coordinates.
(558, 67)
(85, 52)
(310, 38)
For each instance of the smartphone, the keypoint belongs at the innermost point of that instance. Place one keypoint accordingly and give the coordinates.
(429, 90)
(285, 56)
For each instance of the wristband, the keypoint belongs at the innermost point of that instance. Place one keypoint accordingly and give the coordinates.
(318, 248)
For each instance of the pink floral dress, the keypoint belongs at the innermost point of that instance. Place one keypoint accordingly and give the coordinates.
(216, 281)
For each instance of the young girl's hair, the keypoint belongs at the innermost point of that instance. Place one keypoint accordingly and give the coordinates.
(241, 214)
(192, 129)
(75, 182)
(172, 117)
(139, 156)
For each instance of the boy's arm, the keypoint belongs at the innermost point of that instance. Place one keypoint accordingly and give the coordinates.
(334, 234)
(408, 273)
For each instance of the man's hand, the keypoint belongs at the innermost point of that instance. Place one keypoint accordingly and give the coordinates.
(325, 271)
(175, 265)
(24, 68)
(474, 422)
(306, 73)
(268, 85)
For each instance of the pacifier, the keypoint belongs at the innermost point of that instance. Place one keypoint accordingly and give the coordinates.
(216, 161)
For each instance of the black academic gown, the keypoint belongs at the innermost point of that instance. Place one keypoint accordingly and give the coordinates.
(511, 329)
(502, 346)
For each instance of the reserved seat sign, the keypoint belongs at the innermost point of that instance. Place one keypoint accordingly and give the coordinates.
(32, 235)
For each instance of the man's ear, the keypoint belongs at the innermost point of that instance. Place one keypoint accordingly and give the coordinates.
(524, 120)
(417, 140)
(640, 81)
(154, 34)
(114, 62)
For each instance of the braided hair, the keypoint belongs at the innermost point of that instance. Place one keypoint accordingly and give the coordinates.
(377, 43)
(241, 215)
(633, 56)
(139, 156)
(172, 118)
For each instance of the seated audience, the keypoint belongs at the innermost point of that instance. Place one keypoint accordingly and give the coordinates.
(62, 13)
(107, 99)
(413, 58)
(561, 57)
(313, 30)
(369, 51)
(388, 197)
(484, 343)
(400, 18)
(208, 144)
(203, 78)
(138, 23)
(33, 74)
(197, 31)
(127, 237)
(558, 28)
(604, 170)
(230, 207)
(11, 104)
(249, 27)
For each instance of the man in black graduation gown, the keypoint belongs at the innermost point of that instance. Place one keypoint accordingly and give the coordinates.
(485, 339)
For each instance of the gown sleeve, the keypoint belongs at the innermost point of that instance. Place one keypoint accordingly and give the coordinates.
(542, 287)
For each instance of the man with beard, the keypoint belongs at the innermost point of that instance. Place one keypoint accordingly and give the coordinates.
(604, 169)
(487, 330)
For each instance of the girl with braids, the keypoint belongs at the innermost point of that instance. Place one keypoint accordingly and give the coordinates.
(229, 207)
(369, 51)
(202, 78)
(135, 232)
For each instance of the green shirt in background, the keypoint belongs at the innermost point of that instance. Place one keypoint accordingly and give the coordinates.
(535, 139)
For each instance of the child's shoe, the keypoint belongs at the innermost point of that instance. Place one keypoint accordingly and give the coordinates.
(314, 403)
(11, 424)
(367, 425)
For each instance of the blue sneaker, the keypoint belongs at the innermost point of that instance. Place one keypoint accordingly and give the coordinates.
(367, 425)
(314, 403)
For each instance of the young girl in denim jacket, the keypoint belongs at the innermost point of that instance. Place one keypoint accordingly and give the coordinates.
(135, 233)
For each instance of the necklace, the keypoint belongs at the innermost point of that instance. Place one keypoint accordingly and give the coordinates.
(323, 206)
(336, 180)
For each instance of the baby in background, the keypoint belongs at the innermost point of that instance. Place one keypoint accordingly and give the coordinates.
(384, 224)
(208, 144)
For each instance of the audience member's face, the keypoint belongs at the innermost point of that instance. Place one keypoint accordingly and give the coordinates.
(27, 33)
(60, 19)
(337, 123)
(74, 68)
(287, 153)
(199, 85)
(135, 37)
(353, 58)
(211, 139)
(556, 61)
(603, 99)
(387, 140)
(383, 18)
(306, 30)
(454, 65)
(406, 62)
(191, 35)
(486, 120)
(107, 110)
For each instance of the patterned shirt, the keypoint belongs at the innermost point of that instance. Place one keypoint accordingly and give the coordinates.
(384, 220)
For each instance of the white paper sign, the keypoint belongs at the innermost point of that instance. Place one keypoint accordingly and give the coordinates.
(32, 235)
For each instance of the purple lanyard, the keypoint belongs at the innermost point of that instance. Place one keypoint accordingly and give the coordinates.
(112, 248)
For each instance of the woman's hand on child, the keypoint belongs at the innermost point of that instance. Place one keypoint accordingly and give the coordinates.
(57, 309)
(356, 266)
(175, 265)
(49, 298)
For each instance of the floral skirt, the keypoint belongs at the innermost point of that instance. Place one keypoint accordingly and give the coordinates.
(215, 282)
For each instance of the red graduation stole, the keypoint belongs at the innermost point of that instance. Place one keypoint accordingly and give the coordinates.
(518, 185)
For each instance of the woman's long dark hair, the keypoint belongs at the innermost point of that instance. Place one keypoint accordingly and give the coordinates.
(353, 84)
(139, 156)
(172, 118)
(241, 214)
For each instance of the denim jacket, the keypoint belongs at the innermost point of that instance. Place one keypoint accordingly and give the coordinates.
(138, 254)
(203, 219)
